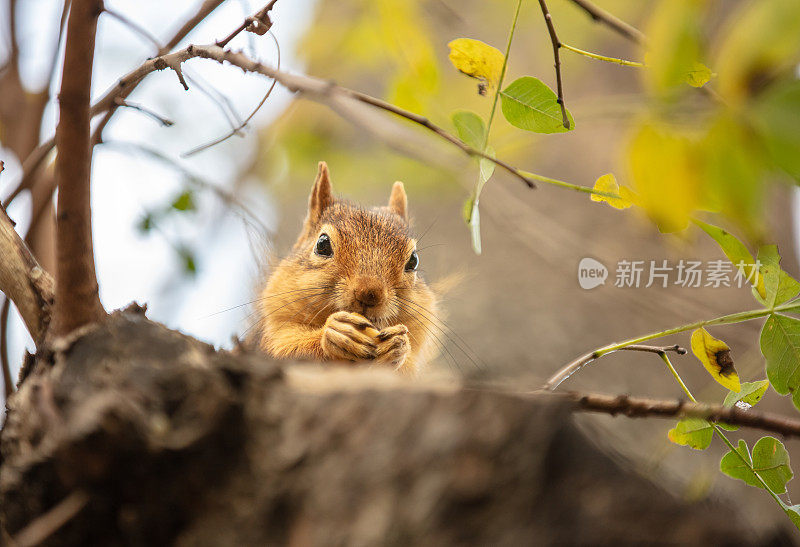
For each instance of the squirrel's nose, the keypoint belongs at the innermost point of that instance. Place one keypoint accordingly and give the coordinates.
(369, 292)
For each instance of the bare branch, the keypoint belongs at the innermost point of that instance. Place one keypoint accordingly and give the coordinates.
(237, 130)
(571, 368)
(166, 122)
(641, 407)
(107, 103)
(260, 23)
(77, 294)
(329, 93)
(556, 46)
(202, 12)
(618, 25)
(135, 27)
(47, 524)
(23, 281)
(8, 383)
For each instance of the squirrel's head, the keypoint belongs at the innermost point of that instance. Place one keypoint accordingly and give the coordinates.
(366, 258)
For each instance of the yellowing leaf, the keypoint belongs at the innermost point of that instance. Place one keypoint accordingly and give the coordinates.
(665, 176)
(674, 34)
(692, 432)
(716, 358)
(699, 75)
(761, 39)
(608, 185)
(477, 59)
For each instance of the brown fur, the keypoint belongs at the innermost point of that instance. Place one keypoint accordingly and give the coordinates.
(313, 307)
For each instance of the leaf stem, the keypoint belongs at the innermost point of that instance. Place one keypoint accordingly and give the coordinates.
(599, 57)
(502, 75)
(719, 432)
(571, 368)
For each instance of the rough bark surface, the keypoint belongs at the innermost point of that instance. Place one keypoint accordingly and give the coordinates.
(171, 441)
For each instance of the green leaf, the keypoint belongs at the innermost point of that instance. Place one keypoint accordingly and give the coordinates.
(529, 104)
(466, 209)
(692, 432)
(146, 223)
(751, 393)
(470, 128)
(780, 344)
(188, 261)
(793, 512)
(777, 115)
(780, 286)
(184, 202)
(475, 227)
(771, 462)
(733, 466)
(737, 253)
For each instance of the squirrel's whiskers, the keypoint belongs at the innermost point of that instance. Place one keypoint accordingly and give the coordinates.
(337, 296)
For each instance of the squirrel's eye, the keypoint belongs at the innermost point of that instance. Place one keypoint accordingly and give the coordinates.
(413, 262)
(323, 246)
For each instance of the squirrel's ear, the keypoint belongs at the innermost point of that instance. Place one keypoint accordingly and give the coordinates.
(321, 194)
(398, 202)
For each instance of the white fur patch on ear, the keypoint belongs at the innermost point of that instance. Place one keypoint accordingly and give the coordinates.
(321, 194)
(398, 202)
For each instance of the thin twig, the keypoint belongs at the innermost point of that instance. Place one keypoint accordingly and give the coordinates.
(135, 27)
(605, 58)
(259, 23)
(8, 383)
(556, 46)
(576, 365)
(237, 130)
(47, 524)
(328, 93)
(107, 104)
(146, 111)
(641, 407)
(618, 25)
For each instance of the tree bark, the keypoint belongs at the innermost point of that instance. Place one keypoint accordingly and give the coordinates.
(134, 434)
(77, 295)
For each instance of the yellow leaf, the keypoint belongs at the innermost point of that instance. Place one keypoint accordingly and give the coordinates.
(663, 167)
(716, 358)
(608, 185)
(699, 75)
(477, 59)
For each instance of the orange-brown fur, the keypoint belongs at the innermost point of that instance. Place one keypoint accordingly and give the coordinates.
(310, 307)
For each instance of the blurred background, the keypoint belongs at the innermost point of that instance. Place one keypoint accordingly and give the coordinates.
(192, 236)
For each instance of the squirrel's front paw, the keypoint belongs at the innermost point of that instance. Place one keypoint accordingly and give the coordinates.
(348, 337)
(393, 346)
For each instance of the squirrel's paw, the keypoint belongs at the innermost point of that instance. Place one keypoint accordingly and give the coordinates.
(393, 346)
(348, 337)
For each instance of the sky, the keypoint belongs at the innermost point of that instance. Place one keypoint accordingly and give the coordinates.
(128, 183)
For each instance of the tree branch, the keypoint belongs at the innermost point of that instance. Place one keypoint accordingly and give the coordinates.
(77, 294)
(571, 368)
(331, 94)
(23, 281)
(108, 103)
(642, 407)
(556, 46)
(618, 25)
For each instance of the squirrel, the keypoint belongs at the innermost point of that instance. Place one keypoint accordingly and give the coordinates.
(350, 289)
